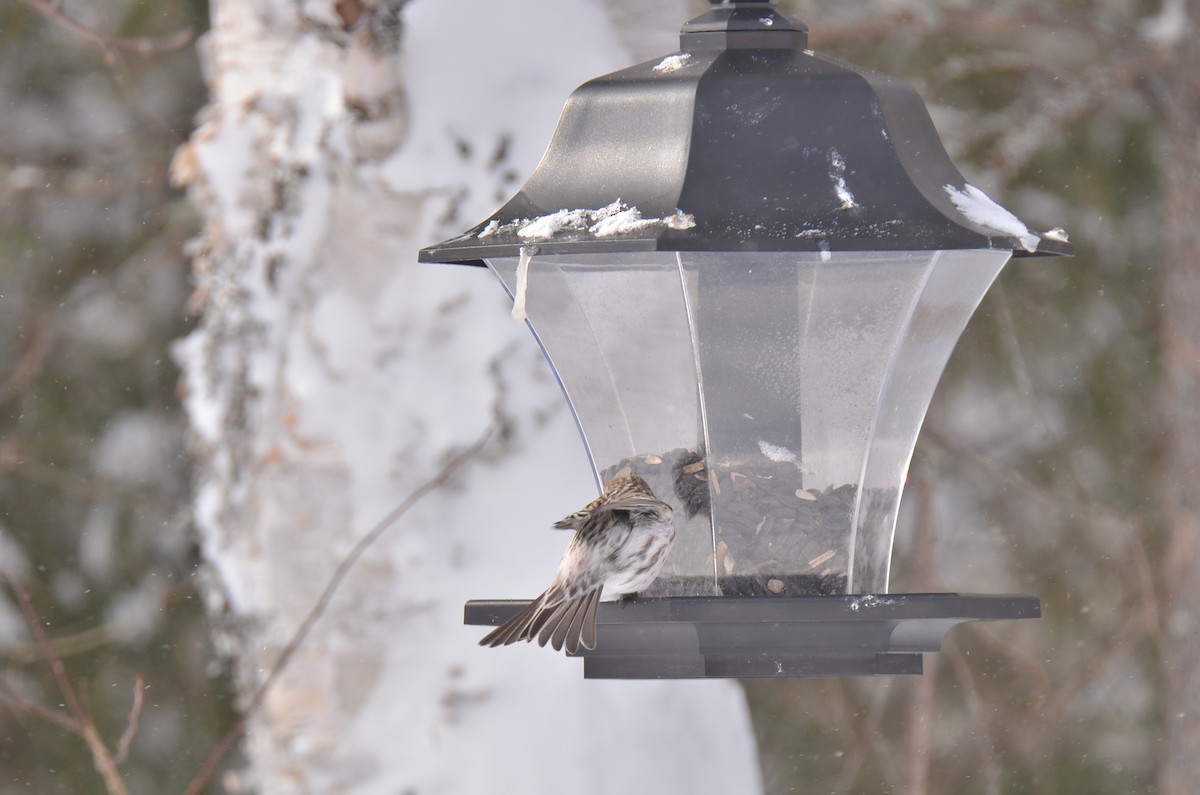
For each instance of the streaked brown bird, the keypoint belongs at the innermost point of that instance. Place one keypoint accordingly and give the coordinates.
(620, 544)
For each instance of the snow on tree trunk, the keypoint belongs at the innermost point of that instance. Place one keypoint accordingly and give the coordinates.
(1180, 331)
(331, 374)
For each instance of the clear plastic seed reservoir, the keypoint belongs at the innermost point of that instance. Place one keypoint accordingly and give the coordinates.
(772, 398)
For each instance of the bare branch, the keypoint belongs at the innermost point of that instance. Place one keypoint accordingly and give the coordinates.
(103, 760)
(918, 748)
(1046, 106)
(41, 710)
(1087, 504)
(856, 758)
(983, 729)
(49, 653)
(21, 464)
(866, 734)
(30, 364)
(111, 47)
(66, 645)
(959, 67)
(81, 716)
(86, 640)
(1151, 613)
(131, 725)
(1045, 117)
(227, 741)
(1117, 645)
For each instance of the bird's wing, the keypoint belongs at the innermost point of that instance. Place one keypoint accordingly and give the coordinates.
(575, 520)
(630, 504)
(572, 522)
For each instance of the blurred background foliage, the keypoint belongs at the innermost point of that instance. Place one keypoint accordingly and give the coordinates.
(1039, 471)
(94, 483)
(1040, 466)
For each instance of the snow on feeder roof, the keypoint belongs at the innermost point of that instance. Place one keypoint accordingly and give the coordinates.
(748, 266)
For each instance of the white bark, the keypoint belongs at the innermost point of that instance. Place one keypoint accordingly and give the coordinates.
(331, 374)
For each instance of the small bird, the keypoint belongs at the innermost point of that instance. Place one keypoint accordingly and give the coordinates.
(620, 544)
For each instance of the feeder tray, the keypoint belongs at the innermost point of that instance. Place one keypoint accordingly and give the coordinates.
(699, 637)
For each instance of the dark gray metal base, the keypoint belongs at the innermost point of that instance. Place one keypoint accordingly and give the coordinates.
(699, 637)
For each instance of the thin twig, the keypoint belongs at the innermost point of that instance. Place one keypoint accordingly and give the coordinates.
(41, 710)
(111, 47)
(1019, 362)
(20, 464)
(31, 361)
(227, 741)
(867, 737)
(101, 756)
(68, 645)
(920, 709)
(983, 733)
(103, 760)
(873, 735)
(131, 725)
(1089, 507)
(1151, 614)
(49, 653)
(1119, 643)
(840, 712)
(86, 640)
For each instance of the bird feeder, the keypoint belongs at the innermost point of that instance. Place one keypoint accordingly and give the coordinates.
(748, 265)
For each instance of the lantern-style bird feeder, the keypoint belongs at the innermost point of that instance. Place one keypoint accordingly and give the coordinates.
(748, 265)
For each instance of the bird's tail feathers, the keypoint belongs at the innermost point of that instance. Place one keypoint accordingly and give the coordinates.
(569, 623)
(517, 627)
(572, 622)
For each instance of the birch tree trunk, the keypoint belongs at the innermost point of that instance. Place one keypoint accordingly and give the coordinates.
(331, 375)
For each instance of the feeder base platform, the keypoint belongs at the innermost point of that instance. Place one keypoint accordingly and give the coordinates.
(698, 637)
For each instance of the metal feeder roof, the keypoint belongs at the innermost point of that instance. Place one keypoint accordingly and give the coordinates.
(745, 140)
